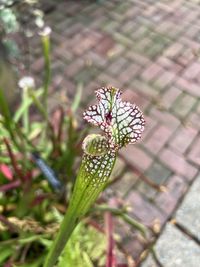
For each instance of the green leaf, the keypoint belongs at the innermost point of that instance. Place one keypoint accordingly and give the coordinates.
(46, 54)
(25, 105)
(85, 245)
(5, 252)
(4, 108)
(8, 17)
(7, 119)
(77, 98)
(37, 263)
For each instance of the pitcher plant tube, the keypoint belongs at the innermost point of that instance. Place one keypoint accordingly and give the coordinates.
(121, 123)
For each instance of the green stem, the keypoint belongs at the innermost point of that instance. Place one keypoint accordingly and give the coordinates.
(7, 119)
(38, 104)
(25, 116)
(140, 227)
(84, 195)
(47, 78)
(46, 51)
(75, 211)
(68, 224)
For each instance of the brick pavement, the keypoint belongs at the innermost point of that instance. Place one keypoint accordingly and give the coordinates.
(179, 243)
(150, 49)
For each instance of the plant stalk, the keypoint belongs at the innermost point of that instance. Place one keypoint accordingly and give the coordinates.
(117, 212)
(46, 53)
(84, 195)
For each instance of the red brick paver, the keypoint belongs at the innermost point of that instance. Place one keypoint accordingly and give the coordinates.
(194, 154)
(177, 163)
(168, 201)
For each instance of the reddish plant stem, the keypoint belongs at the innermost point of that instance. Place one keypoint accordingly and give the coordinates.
(13, 160)
(110, 258)
(39, 199)
(60, 126)
(28, 176)
(52, 135)
(95, 225)
(8, 264)
(10, 186)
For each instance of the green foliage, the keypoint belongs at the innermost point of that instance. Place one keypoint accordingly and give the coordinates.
(5, 252)
(85, 247)
(25, 136)
(15, 16)
(28, 195)
(8, 24)
(9, 20)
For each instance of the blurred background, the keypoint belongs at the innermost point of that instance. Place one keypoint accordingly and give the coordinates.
(150, 50)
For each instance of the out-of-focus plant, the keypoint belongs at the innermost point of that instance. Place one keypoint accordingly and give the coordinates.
(8, 24)
(86, 246)
(31, 150)
(9, 20)
(24, 17)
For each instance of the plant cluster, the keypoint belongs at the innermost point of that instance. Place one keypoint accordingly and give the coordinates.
(40, 154)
